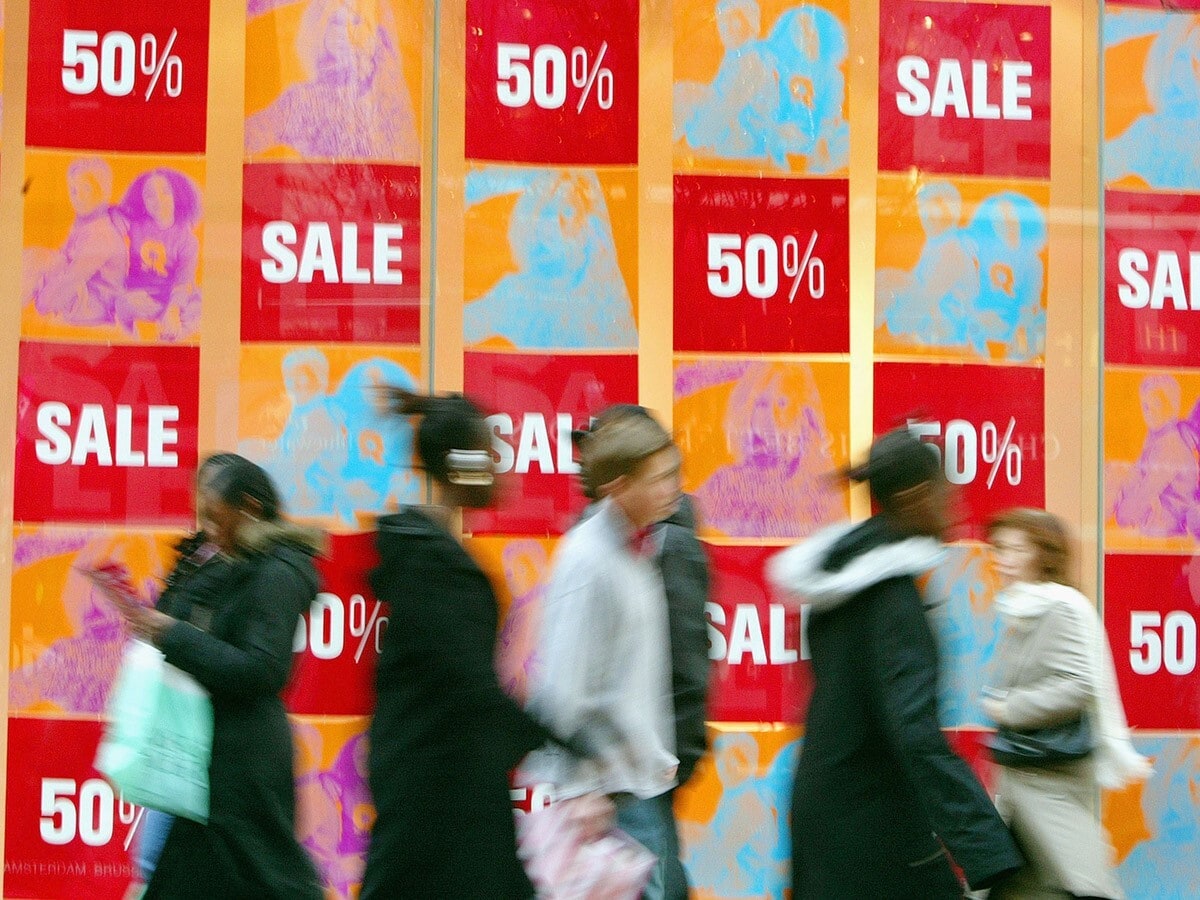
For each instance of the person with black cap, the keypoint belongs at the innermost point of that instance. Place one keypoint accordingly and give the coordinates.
(881, 804)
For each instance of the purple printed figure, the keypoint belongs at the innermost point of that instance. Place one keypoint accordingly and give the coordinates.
(1157, 495)
(525, 564)
(354, 103)
(334, 808)
(82, 282)
(75, 673)
(778, 484)
(159, 213)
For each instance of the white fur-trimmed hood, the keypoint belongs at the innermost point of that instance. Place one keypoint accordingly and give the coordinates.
(797, 572)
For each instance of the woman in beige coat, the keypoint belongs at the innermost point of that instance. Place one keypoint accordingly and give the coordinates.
(1053, 666)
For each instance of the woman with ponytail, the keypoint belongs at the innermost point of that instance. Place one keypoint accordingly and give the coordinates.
(444, 735)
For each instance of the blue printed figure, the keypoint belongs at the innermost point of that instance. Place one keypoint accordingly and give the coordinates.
(743, 852)
(771, 98)
(928, 302)
(977, 287)
(1008, 232)
(339, 455)
(1163, 865)
(376, 474)
(967, 629)
(313, 449)
(568, 291)
(808, 47)
(1155, 147)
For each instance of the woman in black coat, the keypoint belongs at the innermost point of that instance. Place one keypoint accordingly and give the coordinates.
(879, 796)
(444, 735)
(232, 631)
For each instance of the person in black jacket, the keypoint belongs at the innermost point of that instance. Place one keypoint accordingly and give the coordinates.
(444, 736)
(879, 796)
(231, 629)
(188, 588)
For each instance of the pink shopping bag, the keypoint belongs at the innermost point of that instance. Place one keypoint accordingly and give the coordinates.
(565, 862)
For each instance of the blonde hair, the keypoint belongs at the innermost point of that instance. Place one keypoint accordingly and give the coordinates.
(619, 447)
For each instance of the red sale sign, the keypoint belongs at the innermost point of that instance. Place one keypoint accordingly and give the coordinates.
(986, 423)
(535, 402)
(138, 63)
(331, 252)
(106, 434)
(762, 264)
(964, 88)
(68, 832)
(1153, 636)
(1152, 279)
(551, 82)
(760, 668)
(341, 636)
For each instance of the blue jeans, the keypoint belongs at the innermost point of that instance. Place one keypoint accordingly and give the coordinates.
(156, 825)
(652, 824)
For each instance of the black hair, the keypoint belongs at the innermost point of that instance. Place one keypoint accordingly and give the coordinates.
(448, 422)
(238, 480)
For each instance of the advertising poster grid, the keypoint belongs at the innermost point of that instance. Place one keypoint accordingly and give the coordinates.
(332, 303)
(1151, 390)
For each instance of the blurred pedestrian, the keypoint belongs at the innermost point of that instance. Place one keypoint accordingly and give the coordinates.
(879, 796)
(188, 594)
(604, 643)
(230, 626)
(444, 736)
(683, 566)
(1054, 694)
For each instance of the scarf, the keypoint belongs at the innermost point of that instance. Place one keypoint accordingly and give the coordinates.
(1117, 762)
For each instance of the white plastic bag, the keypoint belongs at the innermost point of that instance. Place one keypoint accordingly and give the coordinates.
(158, 739)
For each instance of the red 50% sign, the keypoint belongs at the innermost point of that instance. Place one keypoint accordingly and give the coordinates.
(329, 621)
(112, 63)
(552, 83)
(531, 798)
(544, 78)
(754, 265)
(142, 65)
(966, 447)
(1158, 642)
(86, 812)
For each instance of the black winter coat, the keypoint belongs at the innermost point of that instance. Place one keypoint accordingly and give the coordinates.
(685, 574)
(444, 736)
(250, 607)
(878, 791)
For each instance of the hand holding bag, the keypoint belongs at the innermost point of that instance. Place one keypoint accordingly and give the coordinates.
(158, 738)
(566, 860)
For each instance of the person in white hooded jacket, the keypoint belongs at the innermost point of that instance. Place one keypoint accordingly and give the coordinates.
(879, 797)
(1053, 667)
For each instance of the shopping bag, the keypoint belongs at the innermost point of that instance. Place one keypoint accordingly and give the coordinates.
(564, 863)
(158, 738)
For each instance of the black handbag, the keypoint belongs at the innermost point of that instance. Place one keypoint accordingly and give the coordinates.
(1043, 746)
